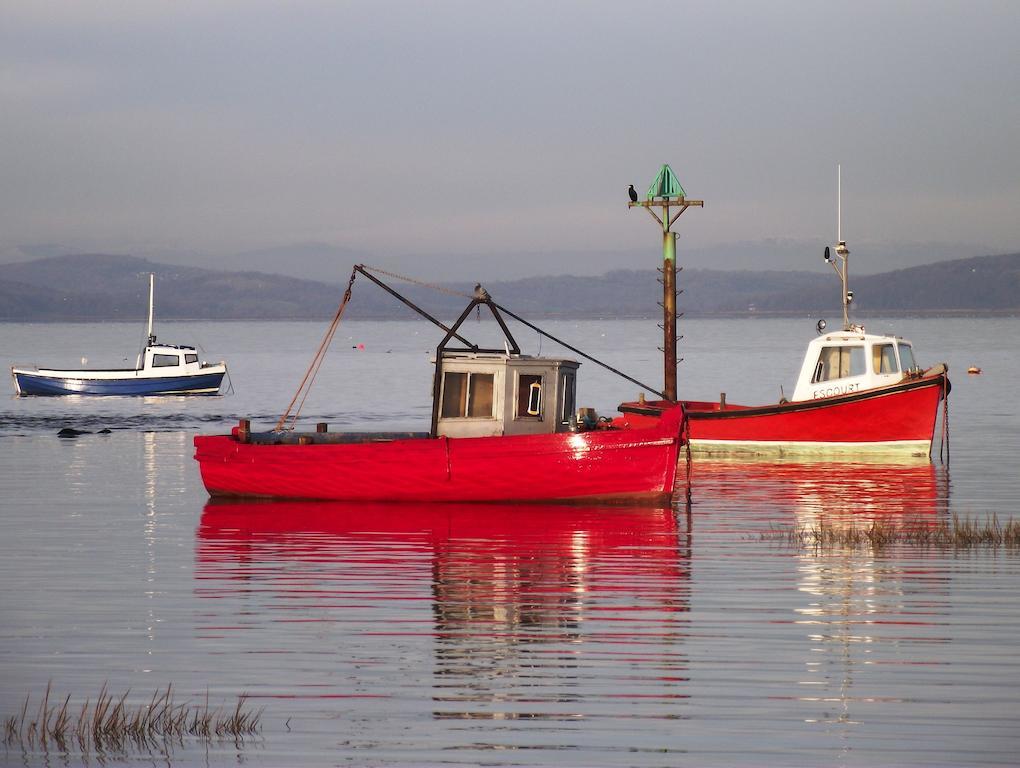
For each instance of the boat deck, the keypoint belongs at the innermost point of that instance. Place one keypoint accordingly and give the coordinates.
(326, 438)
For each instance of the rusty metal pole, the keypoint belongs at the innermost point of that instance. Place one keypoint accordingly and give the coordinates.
(666, 191)
(669, 314)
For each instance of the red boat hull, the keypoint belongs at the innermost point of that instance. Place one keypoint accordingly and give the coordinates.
(899, 419)
(630, 464)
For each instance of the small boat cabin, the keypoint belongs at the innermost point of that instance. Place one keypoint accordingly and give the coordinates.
(169, 360)
(481, 394)
(852, 361)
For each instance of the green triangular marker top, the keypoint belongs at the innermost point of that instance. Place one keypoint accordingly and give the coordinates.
(666, 185)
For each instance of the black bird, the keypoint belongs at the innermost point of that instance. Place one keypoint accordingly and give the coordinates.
(632, 193)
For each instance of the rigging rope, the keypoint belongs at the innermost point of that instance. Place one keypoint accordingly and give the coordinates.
(575, 350)
(944, 444)
(519, 319)
(685, 436)
(422, 283)
(313, 368)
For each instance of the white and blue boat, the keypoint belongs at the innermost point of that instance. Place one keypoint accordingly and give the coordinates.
(161, 369)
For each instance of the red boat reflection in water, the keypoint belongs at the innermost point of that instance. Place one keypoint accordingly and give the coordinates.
(561, 614)
(510, 603)
(813, 492)
(531, 553)
(521, 529)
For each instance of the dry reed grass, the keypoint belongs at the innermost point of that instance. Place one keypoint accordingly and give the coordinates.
(112, 725)
(877, 534)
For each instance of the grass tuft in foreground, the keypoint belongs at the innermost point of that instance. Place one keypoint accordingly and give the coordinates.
(877, 534)
(112, 725)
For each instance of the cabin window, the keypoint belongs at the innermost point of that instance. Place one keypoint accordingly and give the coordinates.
(529, 396)
(189, 358)
(567, 387)
(164, 361)
(839, 363)
(883, 358)
(907, 358)
(467, 395)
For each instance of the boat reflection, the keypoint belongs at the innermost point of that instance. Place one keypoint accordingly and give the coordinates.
(522, 599)
(858, 608)
(809, 493)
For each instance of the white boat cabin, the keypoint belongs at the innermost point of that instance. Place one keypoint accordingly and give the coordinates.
(169, 360)
(484, 393)
(850, 361)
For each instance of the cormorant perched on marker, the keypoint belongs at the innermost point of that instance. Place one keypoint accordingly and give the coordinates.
(632, 193)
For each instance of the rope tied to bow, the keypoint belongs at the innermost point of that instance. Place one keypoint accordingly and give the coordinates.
(313, 369)
(944, 443)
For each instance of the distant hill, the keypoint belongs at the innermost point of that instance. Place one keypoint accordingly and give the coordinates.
(984, 282)
(328, 263)
(103, 287)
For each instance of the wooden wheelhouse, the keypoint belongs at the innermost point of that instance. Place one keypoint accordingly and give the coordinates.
(486, 392)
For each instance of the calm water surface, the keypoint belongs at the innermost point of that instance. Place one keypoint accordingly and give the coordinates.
(499, 635)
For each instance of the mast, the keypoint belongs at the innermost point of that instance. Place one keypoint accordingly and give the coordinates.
(666, 192)
(842, 251)
(150, 338)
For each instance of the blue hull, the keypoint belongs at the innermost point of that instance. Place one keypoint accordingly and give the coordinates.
(200, 384)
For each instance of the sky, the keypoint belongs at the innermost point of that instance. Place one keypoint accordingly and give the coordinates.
(484, 128)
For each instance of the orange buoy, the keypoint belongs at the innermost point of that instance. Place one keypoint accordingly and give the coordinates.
(974, 369)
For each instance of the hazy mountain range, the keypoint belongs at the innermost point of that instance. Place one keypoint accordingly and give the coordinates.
(104, 287)
(325, 262)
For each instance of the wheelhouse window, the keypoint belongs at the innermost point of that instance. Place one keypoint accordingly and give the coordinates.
(839, 363)
(165, 361)
(529, 396)
(190, 358)
(907, 358)
(467, 395)
(567, 387)
(883, 358)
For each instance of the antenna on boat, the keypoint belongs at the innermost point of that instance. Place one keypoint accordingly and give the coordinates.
(665, 192)
(839, 202)
(841, 251)
(150, 339)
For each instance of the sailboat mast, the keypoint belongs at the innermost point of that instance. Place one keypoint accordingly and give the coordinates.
(149, 336)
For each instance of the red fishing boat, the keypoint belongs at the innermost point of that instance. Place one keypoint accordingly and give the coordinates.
(865, 416)
(603, 464)
(504, 428)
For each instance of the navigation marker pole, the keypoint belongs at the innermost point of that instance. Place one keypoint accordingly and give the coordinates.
(665, 193)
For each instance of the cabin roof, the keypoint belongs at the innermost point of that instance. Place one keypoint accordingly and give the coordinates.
(449, 354)
(175, 347)
(849, 336)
